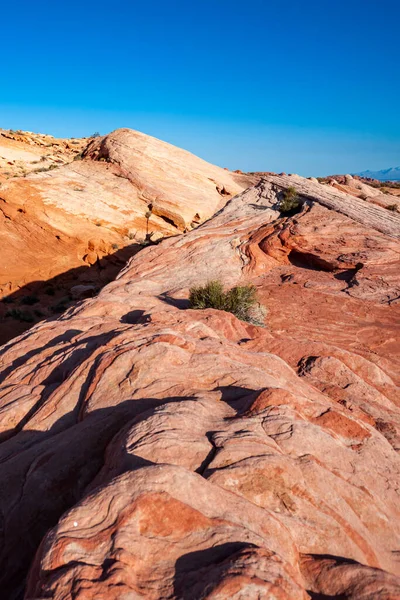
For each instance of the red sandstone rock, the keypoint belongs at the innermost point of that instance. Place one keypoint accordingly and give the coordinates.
(149, 450)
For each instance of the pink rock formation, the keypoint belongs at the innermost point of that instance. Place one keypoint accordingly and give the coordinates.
(150, 450)
(382, 195)
(128, 187)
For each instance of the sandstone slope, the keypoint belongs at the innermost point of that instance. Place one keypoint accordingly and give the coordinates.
(385, 196)
(153, 451)
(23, 152)
(57, 222)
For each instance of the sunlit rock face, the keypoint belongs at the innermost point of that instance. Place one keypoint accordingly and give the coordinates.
(77, 210)
(154, 451)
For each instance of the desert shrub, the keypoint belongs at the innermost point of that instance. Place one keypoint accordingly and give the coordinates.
(114, 246)
(241, 301)
(290, 202)
(20, 315)
(392, 207)
(60, 307)
(44, 169)
(30, 299)
(78, 156)
(96, 134)
(211, 295)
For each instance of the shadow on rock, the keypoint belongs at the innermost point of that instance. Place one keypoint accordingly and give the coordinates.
(39, 300)
(44, 473)
(196, 573)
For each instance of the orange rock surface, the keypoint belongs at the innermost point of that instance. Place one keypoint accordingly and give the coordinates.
(23, 152)
(126, 188)
(151, 450)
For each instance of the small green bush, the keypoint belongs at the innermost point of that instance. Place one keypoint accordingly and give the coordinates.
(392, 207)
(20, 315)
(60, 307)
(44, 169)
(241, 301)
(290, 202)
(29, 300)
(211, 295)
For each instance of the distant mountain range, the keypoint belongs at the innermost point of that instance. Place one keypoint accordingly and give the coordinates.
(392, 174)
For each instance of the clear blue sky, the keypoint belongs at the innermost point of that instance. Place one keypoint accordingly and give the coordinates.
(311, 87)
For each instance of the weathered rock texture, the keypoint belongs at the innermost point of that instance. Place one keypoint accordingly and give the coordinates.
(23, 152)
(62, 221)
(382, 195)
(153, 451)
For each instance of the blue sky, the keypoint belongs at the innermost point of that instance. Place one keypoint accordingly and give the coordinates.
(306, 87)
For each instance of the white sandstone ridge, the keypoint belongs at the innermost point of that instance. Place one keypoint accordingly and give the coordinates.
(124, 187)
(121, 175)
(181, 187)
